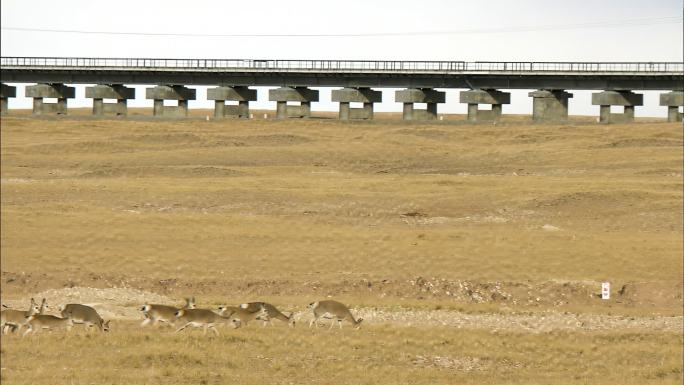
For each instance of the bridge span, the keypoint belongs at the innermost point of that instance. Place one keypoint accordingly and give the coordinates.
(482, 82)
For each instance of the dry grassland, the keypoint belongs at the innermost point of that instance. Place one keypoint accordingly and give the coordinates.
(421, 227)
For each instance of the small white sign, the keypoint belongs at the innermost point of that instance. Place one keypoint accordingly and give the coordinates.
(605, 290)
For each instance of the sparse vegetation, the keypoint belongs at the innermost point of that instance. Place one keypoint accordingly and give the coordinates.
(444, 217)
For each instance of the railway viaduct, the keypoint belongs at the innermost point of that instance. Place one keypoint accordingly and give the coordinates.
(483, 82)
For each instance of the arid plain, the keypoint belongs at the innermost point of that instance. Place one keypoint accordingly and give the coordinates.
(474, 253)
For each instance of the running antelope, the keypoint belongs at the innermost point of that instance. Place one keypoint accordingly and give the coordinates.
(86, 315)
(38, 322)
(200, 318)
(240, 316)
(334, 310)
(15, 319)
(227, 311)
(163, 313)
(271, 313)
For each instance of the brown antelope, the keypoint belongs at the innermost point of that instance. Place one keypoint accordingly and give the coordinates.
(271, 313)
(240, 316)
(38, 322)
(163, 313)
(334, 310)
(227, 311)
(200, 318)
(16, 319)
(86, 315)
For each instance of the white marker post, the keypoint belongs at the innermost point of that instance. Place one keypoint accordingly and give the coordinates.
(605, 290)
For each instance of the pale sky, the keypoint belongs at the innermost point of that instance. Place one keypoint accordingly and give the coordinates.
(529, 30)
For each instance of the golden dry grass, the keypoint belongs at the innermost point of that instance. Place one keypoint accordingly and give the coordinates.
(294, 211)
(373, 355)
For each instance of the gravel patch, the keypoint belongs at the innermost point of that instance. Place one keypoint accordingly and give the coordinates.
(124, 304)
(531, 323)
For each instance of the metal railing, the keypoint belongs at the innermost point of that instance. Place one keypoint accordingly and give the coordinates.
(339, 65)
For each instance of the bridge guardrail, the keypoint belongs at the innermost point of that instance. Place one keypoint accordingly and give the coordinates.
(343, 65)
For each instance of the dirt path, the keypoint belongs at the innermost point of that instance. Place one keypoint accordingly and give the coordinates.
(123, 304)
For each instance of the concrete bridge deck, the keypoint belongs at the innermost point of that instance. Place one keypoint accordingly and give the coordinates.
(483, 82)
(347, 73)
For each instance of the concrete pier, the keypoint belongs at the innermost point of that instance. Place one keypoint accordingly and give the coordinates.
(550, 106)
(345, 96)
(411, 96)
(161, 93)
(242, 95)
(673, 100)
(494, 97)
(283, 95)
(57, 90)
(6, 92)
(115, 91)
(628, 99)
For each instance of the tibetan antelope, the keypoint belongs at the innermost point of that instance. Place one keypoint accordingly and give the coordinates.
(241, 317)
(16, 319)
(86, 315)
(38, 322)
(334, 310)
(271, 313)
(227, 311)
(200, 318)
(163, 313)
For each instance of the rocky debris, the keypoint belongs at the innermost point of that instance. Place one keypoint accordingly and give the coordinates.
(553, 294)
(462, 291)
(465, 364)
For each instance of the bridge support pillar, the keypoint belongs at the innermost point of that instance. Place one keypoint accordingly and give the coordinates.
(58, 91)
(628, 99)
(302, 95)
(550, 105)
(6, 92)
(161, 93)
(411, 96)
(673, 100)
(116, 91)
(242, 95)
(345, 96)
(494, 97)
